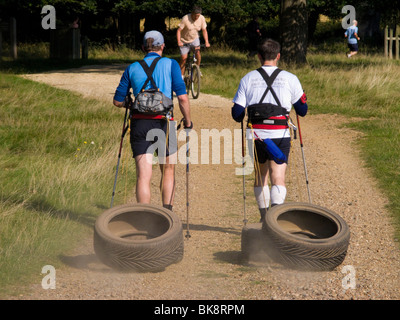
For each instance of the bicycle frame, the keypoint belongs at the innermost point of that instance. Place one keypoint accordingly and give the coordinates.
(192, 72)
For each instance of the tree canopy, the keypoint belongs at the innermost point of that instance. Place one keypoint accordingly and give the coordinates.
(118, 21)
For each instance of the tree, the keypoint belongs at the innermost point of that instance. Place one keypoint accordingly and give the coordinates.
(293, 31)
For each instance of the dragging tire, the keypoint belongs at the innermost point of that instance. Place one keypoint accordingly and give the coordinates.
(306, 236)
(138, 237)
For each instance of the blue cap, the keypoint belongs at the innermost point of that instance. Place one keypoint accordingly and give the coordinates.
(157, 37)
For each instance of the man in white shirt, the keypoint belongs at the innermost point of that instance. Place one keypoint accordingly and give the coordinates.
(268, 93)
(188, 35)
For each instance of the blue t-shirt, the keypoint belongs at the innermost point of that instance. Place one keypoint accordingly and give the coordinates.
(350, 32)
(166, 75)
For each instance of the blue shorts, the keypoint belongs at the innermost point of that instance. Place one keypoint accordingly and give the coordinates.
(353, 47)
(262, 155)
(150, 136)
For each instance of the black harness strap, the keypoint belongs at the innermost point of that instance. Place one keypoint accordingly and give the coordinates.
(149, 72)
(269, 80)
(259, 112)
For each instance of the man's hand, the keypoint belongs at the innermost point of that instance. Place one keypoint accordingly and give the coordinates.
(128, 102)
(118, 104)
(188, 126)
(207, 44)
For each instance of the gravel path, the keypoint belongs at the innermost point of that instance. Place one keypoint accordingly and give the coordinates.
(211, 268)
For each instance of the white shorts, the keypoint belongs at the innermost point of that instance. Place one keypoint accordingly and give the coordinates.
(186, 47)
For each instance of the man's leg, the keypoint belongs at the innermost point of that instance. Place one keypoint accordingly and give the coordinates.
(167, 183)
(143, 177)
(261, 189)
(198, 55)
(182, 63)
(278, 188)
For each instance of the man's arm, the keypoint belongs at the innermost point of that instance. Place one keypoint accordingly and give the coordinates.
(238, 112)
(301, 106)
(178, 37)
(205, 36)
(184, 106)
(122, 90)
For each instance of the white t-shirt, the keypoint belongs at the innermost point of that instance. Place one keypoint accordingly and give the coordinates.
(252, 87)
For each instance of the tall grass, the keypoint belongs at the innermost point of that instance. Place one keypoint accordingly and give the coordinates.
(58, 154)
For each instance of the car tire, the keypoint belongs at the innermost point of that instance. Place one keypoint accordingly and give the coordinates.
(307, 236)
(138, 237)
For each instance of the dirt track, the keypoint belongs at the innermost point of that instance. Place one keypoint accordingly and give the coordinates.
(211, 268)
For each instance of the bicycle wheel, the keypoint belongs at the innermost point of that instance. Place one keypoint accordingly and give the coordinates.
(195, 83)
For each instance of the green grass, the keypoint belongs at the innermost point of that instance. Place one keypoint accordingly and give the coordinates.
(58, 154)
(55, 182)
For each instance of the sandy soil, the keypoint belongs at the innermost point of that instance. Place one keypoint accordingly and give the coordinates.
(211, 268)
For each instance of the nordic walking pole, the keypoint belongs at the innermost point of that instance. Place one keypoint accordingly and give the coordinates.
(187, 184)
(304, 161)
(244, 182)
(124, 129)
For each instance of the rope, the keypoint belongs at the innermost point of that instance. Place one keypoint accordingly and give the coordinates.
(257, 164)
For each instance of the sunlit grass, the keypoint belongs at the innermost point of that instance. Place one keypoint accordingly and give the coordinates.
(58, 155)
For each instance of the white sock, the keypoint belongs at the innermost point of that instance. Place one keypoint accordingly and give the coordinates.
(278, 194)
(262, 196)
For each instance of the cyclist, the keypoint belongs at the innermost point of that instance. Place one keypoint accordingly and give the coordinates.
(188, 35)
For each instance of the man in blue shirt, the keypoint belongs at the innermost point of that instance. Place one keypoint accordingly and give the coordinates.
(352, 36)
(167, 77)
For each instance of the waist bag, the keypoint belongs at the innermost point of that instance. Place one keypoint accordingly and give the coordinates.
(264, 115)
(151, 101)
(259, 112)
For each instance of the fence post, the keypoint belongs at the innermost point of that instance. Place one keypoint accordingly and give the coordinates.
(385, 42)
(397, 39)
(390, 43)
(13, 38)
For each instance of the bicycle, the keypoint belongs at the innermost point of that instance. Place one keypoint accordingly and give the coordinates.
(192, 72)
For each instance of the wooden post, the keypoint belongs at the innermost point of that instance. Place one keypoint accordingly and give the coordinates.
(390, 43)
(13, 38)
(385, 42)
(397, 39)
(385, 46)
